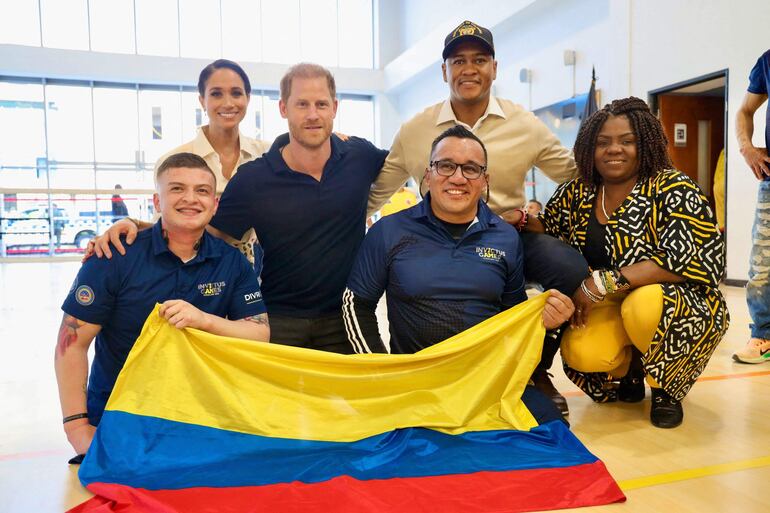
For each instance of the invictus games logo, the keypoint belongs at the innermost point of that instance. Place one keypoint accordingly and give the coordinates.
(211, 289)
(490, 253)
(467, 29)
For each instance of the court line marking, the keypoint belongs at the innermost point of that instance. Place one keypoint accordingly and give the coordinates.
(731, 376)
(719, 377)
(694, 473)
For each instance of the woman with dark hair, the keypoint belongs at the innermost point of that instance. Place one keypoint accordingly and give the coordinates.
(224, 92)
(651, 305)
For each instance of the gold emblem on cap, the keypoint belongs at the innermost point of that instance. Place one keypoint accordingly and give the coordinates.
(467, 29)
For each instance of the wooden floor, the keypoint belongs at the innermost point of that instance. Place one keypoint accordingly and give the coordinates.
(717, 461)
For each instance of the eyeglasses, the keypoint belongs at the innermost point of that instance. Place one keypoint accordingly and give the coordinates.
(470, 170)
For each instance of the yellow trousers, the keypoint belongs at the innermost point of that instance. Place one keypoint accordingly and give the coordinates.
(615, 325)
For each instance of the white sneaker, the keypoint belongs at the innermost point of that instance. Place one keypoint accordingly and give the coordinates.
(756, 351)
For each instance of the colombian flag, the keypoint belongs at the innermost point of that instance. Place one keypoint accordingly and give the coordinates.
(200, 423)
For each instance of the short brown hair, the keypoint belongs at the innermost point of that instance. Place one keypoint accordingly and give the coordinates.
(306, 70)
(190, 160)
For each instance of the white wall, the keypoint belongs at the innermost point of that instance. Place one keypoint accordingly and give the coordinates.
(692, 39)
(636, 45)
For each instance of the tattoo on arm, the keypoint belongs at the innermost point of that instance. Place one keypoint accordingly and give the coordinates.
(68, 333)
(258, 319)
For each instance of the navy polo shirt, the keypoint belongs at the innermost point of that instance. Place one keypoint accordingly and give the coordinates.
(438, 286)
(759, 83)
(309, 230)
(120, 293)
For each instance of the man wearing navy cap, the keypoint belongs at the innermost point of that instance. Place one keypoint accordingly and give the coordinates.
(446, 264)
(201, 282)
(515, 139)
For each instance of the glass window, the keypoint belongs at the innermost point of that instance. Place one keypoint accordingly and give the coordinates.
(65, 24)
(127, 175)
(356, 117)
(157, 27)
(70, 136)
(116, 139)
(28, 224)
(200, 29)
(252, 122)
(114, 207)
(193, 115)
(112, 26)
(356, 40)
(241, 28)
(116, 125)
(273, 124)
(61, 224)
(318, 29)
(280, 31)
(22, 159)
(23, 27)
(76, 222)
(98, 138)
(165, 105)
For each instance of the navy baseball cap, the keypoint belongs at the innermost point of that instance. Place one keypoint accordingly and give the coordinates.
(468, 31)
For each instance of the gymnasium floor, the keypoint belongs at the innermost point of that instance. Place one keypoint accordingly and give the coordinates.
(717, 461)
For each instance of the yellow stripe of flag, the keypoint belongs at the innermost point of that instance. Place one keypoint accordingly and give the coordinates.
(471, 382)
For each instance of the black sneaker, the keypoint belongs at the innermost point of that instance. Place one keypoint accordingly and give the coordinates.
(631, 388)
(541, 378)
(665, 412)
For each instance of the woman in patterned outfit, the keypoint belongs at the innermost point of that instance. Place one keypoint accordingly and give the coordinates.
(651, 305)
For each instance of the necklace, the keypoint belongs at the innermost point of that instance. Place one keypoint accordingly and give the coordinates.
(604, 209)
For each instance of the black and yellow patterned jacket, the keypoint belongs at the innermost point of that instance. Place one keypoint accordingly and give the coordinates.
(666, 219)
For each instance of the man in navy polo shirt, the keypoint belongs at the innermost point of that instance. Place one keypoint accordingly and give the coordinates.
(446, 264)
(306, 201)
(201, 282)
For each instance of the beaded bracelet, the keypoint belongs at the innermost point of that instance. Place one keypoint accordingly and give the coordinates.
(621, 282)
(599, 282)
(610, 281)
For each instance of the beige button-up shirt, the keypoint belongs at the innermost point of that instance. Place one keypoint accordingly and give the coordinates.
(250, 150)
(515, 140)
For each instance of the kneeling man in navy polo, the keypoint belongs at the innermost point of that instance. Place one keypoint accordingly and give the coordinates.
(201, 282)
(446, 264)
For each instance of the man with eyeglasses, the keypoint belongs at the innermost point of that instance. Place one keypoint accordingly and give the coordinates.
(446, 264)
(516, 141)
